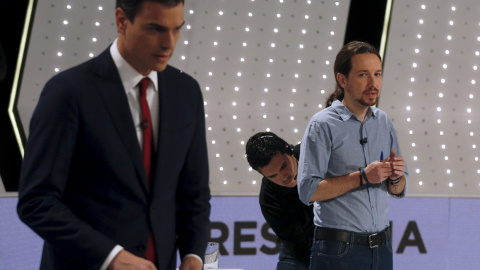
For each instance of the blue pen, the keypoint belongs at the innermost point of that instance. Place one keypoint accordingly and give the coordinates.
(381, 156)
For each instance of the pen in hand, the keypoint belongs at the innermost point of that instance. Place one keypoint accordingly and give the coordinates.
(381, 156)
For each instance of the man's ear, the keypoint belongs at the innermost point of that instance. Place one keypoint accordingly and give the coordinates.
(121, 20)
(342, 80)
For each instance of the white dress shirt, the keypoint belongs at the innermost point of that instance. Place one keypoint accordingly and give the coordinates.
(130, 79)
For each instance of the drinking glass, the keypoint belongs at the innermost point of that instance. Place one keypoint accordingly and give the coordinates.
(211, 256)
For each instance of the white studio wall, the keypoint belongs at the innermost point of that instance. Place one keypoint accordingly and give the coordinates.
(431, 92)
(262, 64)
(268, 65)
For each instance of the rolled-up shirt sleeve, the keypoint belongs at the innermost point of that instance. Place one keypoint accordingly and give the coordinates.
(396, 145)
(313, 163)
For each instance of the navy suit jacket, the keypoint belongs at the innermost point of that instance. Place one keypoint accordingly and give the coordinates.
(83, 186)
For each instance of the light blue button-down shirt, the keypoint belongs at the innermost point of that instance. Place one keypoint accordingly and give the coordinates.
(330, 148)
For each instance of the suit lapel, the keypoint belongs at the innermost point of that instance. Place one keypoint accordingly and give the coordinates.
(112, 91)
(162, 127)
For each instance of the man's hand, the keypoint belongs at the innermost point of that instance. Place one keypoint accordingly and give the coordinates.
(378, 171)
(191, 263)
(127, 261)
(397, 164)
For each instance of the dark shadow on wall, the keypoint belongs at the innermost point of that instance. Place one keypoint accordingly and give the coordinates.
(12, 19)
(365, 21)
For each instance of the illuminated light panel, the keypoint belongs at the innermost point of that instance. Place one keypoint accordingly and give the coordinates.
(431, 81)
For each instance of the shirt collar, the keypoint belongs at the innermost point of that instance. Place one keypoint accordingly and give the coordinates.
(346, 114)
(129, 76)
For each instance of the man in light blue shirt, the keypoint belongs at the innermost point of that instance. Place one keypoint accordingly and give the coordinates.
(342, 169)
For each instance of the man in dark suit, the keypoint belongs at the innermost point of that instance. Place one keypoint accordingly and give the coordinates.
(84, 185)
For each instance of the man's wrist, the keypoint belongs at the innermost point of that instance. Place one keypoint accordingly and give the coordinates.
(362, 170)
(361, 178)
(111, 256)
(193, 256)
(394, 181)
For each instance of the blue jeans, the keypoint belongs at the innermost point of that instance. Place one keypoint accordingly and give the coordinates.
(337, 255)
(287, 260)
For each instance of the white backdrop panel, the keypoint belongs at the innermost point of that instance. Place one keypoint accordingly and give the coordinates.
(262, 64)
(431, 92)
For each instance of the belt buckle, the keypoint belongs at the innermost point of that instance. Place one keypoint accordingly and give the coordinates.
(370, 241)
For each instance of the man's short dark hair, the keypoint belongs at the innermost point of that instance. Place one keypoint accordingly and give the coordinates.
(263, 146)
(132, 7)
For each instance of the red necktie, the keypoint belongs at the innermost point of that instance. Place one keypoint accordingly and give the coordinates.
(148, 150)
(146, 125)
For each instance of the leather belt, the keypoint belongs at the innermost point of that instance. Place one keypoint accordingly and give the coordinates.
(370, 240)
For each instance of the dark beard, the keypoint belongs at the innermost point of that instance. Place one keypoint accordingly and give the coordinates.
(364, 103)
